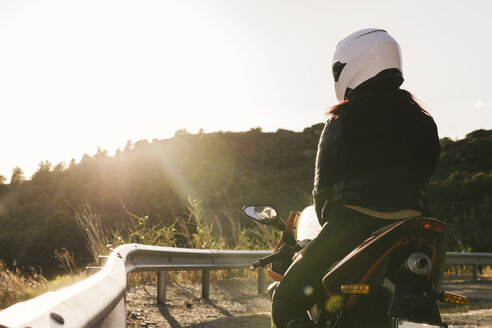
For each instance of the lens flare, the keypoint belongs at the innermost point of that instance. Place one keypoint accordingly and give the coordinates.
(308, 290)
(334, 303)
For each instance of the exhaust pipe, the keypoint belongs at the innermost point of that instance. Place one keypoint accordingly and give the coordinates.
(418, 263)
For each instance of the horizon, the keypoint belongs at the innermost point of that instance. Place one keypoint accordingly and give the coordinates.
(113, 152)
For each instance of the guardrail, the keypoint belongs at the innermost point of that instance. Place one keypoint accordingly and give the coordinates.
(98, 301)
(468, 258)
(474, 259)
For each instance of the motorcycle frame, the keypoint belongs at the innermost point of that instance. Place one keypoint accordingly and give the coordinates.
(426, 235)
(290, 228)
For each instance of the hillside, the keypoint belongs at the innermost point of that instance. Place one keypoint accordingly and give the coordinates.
(461, 191)
(223, 171)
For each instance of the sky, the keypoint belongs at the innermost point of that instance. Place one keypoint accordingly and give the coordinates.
(76, 76)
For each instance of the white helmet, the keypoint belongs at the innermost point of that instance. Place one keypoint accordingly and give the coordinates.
(363, 55)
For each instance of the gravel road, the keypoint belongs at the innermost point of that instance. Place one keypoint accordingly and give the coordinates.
(235, 303)
(479, 312)
(232, 303)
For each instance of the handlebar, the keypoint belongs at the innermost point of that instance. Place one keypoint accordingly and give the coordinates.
(287, 250)
(265, 260)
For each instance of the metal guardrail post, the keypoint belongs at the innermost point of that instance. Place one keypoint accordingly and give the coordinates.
(205, 283)
(161, 287)
(102, 259)
(475, 272)
(261, 280)
(89, 271)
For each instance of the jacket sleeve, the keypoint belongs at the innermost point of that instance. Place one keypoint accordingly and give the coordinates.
(433, 149)
(432, 155)
(327, 167)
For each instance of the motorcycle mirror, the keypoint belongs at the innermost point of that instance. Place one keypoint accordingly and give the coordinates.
(262, 213)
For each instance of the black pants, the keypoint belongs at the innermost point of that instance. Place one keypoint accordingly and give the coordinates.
(301, 287)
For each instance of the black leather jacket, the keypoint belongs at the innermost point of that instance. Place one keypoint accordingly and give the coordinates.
(378, 150)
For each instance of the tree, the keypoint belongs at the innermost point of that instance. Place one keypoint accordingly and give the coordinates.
(17, 176)
(129, 145)
(181, 132)
(59, 167)
(101, 153)
(45, 166)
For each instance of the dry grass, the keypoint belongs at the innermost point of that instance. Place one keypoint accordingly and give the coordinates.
(66, 260)
(465, 271)
(17, 286)
(198, 233)
(187, 277)
(93, 231)
(65, 281)
(486, 271)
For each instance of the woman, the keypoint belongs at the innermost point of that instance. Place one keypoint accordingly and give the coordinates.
(376, 154)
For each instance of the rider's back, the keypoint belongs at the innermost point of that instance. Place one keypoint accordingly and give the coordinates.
(378, 150)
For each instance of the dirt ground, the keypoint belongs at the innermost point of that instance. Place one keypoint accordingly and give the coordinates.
(232, 303)
(235, 303)
(479, 312)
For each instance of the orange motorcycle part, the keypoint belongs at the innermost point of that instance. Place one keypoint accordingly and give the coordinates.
(290, 227)
(359, 266)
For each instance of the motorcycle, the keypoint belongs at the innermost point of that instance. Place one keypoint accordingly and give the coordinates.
(391, 280)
